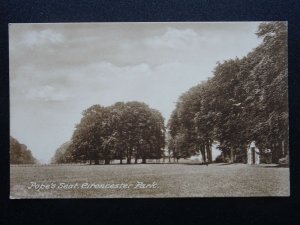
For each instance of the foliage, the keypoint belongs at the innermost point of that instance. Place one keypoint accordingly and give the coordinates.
(245, 100)
(19, 154)
(62, 154)
(123, 130)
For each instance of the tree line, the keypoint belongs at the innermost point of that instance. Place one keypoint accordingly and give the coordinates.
(128, 131)
(245, 100)
(19, 154)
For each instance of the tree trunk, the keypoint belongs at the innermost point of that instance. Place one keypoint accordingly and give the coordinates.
(272, 152)
(231, 156)
(208, 151)
(135, 160)
(202, 150)
(90, 162)
(275, 155)
(96, 161)
(121, 161)
(106, 161)
(143, 160)
(128, 160)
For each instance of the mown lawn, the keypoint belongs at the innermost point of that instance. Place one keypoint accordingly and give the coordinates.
(172, 180)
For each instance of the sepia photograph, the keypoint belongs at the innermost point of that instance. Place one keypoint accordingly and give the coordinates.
(148, 110)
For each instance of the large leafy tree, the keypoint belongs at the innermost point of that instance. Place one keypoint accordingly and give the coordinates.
(270, 123)
(185, 126)
(89, 138)
(229, 108)
(123, 130)
(141, 130)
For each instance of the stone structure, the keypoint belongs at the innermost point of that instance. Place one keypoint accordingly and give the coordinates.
(253, 154)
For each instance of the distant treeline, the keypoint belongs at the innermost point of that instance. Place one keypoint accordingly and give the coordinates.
(246, 100)
(128, 131)
(19, 154)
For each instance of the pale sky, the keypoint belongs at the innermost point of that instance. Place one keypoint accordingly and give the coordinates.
(58, 70)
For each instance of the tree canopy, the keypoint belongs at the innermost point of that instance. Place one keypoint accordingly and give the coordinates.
(123, 130)
(244, 101)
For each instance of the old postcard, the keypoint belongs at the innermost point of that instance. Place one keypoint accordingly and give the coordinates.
(155, 110)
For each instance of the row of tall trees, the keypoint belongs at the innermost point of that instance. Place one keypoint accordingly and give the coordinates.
(245, 100)
(128, 131)
(19, 154)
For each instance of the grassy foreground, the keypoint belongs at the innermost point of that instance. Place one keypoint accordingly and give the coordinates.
(148, 180)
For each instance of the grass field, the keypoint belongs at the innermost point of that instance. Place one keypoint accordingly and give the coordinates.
(164, 180)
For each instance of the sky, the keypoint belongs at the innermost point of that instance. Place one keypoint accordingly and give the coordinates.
(58, 70)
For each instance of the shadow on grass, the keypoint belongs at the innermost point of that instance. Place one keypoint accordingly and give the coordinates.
(204, 164)
(169, 163)
(224, 164)
(192, 164)
(275, 166)
(132, 164)
(148, 163)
